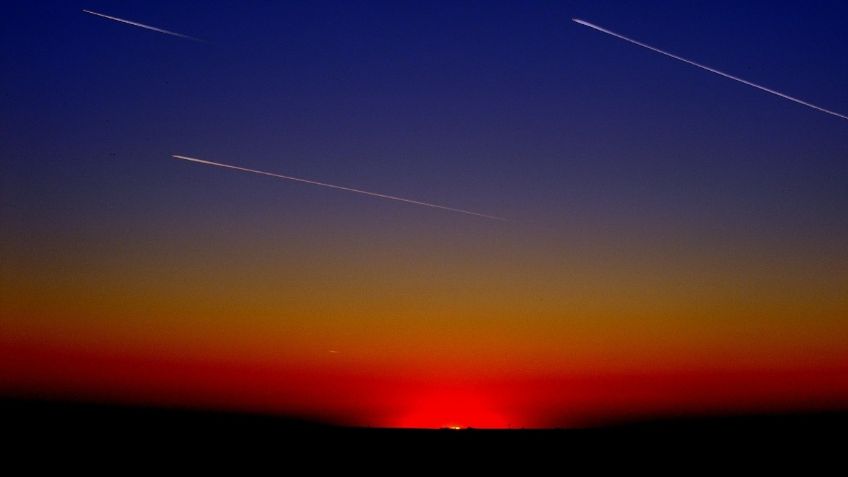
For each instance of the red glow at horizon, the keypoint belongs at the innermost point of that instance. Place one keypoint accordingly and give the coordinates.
(424, 400)
(452, 409)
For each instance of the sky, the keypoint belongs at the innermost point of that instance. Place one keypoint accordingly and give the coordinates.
(674, 242)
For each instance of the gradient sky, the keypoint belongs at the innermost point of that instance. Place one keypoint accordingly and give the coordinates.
(676, 241)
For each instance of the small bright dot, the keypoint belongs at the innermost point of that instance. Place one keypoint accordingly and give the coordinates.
(455, 428)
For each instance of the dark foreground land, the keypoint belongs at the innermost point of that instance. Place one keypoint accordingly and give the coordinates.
(35, 423)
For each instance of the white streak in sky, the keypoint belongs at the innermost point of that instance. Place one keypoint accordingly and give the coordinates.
(142, 25)
(712, 70)
(322, 184)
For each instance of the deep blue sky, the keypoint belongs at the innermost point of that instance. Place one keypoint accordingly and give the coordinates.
(503, 106)
(507, 107)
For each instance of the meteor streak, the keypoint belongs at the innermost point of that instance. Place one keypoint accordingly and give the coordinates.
(712, 70)
(142, 25)
(331, 186)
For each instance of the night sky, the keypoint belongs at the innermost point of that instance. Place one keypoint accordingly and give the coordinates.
(675, 242)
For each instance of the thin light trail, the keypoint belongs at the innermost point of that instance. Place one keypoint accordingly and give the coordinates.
(712, 70)
(331, 186)
(142, 25)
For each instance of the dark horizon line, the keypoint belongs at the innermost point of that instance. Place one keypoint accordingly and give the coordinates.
(31, 409)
